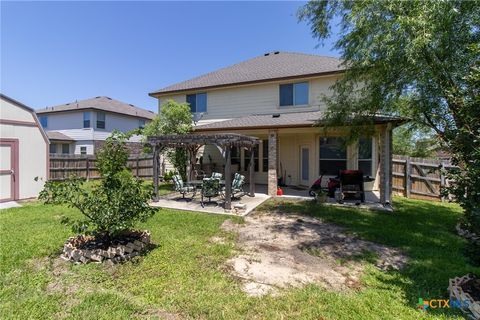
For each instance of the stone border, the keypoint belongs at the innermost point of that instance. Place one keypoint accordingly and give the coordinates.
(114, 254)
(457, 293)
(470, 236)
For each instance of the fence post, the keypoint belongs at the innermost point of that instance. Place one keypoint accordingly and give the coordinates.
(442, 180)
(408, 182)
(137, 163)
(87, 165)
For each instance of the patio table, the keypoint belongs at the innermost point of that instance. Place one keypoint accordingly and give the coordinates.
(198, 183)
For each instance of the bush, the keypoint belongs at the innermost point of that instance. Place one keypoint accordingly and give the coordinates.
(169, 175)
(111, 207)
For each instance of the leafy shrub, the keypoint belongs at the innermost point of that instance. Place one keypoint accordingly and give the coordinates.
(174, 118)
(113, 206)
(169, 175)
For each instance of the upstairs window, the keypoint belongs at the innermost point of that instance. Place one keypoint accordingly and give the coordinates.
(333, 155)
(197, 102)
(86, 119)
(65, 148)
(100, 120)
(53, 148)
(44, 121)
(365, 155)
(294, 94)
(141, 123)
(83, 150)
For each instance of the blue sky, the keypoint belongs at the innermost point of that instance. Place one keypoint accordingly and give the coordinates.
(57, 52)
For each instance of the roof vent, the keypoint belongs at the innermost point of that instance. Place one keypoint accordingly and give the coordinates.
(267, 54)
(276, 52)
(108, 98)
(276, 115)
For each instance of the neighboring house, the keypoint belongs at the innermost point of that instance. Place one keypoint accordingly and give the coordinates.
(23, 151)
(277, 98)
(81, 127)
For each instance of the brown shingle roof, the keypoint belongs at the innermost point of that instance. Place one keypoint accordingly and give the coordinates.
(104, 104)
(275, 65)
(55, 135)
(284, 120)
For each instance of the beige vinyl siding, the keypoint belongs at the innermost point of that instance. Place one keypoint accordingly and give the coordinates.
(32, 149)
(227, 103)
(290, 142)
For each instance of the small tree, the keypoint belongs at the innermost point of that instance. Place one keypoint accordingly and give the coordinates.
(419, 59)
(174, 118)
(113, 206)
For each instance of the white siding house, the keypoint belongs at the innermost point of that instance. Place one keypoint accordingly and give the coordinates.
(23, 151)
(83, 124)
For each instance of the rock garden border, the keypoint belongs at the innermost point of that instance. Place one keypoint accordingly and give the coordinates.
(85, 249)
(463, 299)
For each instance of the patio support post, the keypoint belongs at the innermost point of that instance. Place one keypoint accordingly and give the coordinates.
(386, 166)
(192, 155)
(251, 167)
(228, 178)
(155, 173)
(272, 162)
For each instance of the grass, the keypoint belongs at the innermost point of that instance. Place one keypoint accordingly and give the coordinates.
(164, 188)
(185, 274)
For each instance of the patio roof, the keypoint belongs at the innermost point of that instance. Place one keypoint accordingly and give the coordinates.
(199, 139)
(280, 120)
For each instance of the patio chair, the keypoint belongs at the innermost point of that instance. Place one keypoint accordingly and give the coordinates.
(351, 182)
(183, 188)
(210, 189)
(217, 175)
(238, 183)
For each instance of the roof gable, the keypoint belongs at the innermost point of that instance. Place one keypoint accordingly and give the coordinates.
(271, 66)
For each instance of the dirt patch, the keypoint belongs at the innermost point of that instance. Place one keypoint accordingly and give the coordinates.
(218, 240)
(284, 251)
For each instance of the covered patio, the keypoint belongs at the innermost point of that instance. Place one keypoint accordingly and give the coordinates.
(192, 143)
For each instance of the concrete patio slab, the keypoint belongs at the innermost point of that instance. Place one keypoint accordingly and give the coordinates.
(9, 204)
(372, 198)
(175, 201)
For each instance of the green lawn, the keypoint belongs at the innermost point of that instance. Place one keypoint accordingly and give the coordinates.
(184, 274)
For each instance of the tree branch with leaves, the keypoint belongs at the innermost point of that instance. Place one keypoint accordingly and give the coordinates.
(418, 59)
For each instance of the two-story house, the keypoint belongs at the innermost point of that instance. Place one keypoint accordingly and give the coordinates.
(277, 98)
(81, 127)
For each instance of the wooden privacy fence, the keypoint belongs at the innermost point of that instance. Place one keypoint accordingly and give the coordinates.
(419, 178)
(62, 167)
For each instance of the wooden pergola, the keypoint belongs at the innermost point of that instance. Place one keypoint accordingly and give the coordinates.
(193, 142)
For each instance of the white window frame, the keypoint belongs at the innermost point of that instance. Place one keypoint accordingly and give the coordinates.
(104, 120)
(293, 102)
(46, 121)
(89, 119)
(372, 141)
